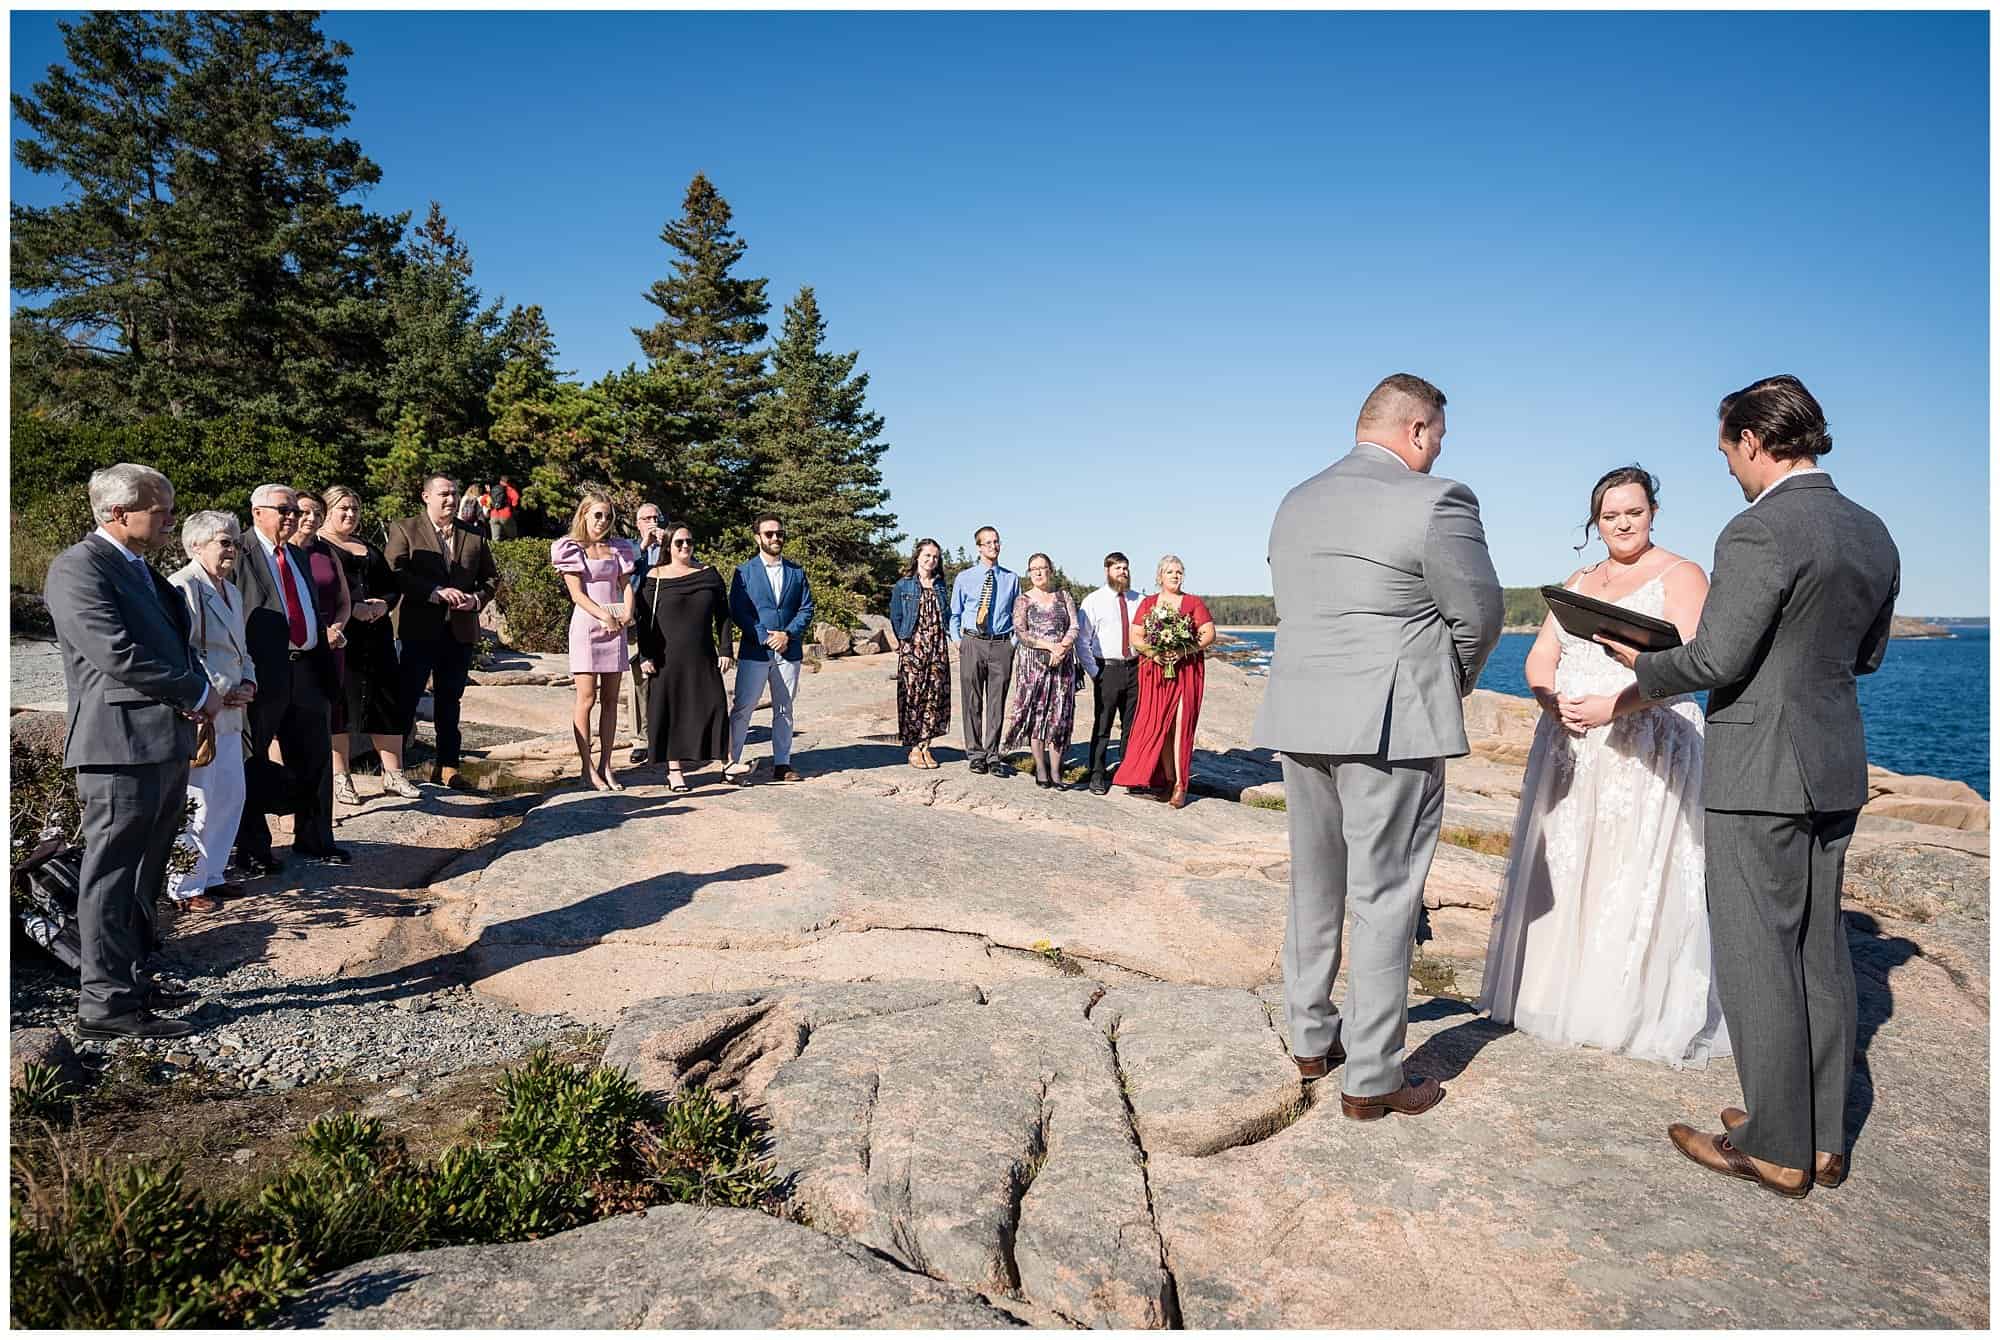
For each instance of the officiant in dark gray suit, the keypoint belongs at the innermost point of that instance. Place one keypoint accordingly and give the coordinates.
(1804, 588)
(1387, 610)
(135, 687)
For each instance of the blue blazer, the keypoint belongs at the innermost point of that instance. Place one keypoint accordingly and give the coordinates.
(903, 606)
(751, 606)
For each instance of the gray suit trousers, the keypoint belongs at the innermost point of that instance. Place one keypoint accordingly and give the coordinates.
(1363, 834)
(1785, 975)
(985, 668)
(131, 815)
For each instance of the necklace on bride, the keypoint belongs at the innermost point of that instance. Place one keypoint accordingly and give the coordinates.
(1608, 569)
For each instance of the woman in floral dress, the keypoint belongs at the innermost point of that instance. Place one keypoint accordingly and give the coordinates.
(923, 654)
(1045, 626)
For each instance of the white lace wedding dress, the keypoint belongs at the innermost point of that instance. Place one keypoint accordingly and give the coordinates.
(1601, 933)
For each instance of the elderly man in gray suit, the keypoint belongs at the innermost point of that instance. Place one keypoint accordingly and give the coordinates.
(136, 687)
(1387, 610)
(1805, 585)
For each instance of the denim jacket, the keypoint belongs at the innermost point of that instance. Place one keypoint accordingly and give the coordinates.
(903, 605)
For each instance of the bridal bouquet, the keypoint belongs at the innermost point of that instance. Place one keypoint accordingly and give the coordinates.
(1172, 637)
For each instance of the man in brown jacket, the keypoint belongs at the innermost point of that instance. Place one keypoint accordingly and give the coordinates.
(447, 576)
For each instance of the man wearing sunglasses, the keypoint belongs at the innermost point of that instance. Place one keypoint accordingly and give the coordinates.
(771, 601)
(294, 681)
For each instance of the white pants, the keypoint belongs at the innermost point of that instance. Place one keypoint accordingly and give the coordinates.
(218, 793)
(751, 677)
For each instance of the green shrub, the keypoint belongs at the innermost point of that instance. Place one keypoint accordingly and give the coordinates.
(42, 1095)
(571, 1145)
(532, 596)
(135, 1247)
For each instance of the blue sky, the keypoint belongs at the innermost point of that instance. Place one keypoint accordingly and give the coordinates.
(1122, 279)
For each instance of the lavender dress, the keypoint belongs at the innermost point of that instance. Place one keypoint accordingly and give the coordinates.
(607, 581)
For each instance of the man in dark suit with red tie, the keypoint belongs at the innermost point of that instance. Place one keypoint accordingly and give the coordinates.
(447, 576)
(294, 702)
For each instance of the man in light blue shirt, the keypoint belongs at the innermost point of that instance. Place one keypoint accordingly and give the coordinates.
(982, 624)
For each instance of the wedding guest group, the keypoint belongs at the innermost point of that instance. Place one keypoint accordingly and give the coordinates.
(596, 566)
(446, 576)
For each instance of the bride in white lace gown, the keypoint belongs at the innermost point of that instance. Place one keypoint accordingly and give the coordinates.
(1601, 934)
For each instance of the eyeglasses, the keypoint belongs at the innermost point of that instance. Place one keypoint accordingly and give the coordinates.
(683, 544)
(771, 535)
(282, 511)
(599, 516)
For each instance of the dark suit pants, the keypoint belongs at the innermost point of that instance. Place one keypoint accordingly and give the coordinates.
(447, 664)
(1785, 975)
(131, 815)
(985, 668)
(302, 726)
(1117, 690)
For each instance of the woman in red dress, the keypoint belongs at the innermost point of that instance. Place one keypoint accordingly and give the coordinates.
(1160, 750)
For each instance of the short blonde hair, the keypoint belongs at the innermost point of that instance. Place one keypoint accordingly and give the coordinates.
(1160, 568)
(580, 532)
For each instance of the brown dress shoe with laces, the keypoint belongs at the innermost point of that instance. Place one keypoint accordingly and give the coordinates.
(1316, 1067)
(1828, 1169)
(1715, 1153)
(1409, 1101)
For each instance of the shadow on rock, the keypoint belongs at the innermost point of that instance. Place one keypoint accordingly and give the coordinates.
(1876, 955)
(1445, 1054)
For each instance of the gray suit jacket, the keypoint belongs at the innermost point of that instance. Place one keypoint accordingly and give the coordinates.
(1387, 611)
(127, 662)
(1805, 583)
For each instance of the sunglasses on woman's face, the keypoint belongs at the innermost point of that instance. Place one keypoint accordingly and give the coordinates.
(683, 544)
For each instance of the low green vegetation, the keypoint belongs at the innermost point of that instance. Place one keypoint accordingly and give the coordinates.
(102, 1247)
(1265, 802)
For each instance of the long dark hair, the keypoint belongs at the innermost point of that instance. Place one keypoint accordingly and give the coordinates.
(1624, 474)
(1783, 415)
(918, 553)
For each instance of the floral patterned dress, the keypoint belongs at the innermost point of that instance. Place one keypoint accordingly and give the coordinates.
(923, 677)
(1044, 693)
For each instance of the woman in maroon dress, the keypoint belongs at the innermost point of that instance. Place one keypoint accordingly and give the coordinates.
(335, 607)
(1160, 750)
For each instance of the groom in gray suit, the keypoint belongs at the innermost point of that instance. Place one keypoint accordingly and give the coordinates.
(135, 687)
(1387, 610)
(1805, 584)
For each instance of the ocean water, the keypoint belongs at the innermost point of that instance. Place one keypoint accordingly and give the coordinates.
(1925, 710)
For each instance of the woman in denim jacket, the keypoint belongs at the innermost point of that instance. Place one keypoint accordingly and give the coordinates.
(923, 653)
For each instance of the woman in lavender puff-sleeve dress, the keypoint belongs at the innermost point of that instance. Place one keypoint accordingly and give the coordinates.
(596, 566)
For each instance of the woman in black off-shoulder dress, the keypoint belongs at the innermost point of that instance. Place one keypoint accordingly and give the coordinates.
(681, 612)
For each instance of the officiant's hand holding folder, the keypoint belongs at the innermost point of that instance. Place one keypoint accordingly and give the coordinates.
(1594, 620)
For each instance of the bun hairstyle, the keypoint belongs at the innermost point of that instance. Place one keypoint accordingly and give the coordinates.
(1783, 415)
(1624, 474)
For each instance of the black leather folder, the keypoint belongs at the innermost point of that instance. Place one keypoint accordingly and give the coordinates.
(1585, 617)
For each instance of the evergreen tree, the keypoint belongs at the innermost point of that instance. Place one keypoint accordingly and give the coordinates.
(689, 409)
(818, 462)
(212, 259)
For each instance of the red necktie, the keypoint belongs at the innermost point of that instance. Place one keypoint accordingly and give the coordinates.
(295, 617)
(1124, 630)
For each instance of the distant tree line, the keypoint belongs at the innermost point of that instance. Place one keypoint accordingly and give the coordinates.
(212, 297)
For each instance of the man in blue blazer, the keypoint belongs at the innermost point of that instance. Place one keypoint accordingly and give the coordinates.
(771, 601)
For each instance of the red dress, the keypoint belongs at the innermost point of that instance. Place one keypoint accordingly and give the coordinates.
(1159, 699)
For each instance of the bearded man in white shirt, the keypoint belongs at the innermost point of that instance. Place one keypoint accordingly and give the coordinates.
(1107, 634)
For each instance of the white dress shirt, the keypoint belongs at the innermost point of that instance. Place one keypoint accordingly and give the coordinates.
(1809, 470)
(299, 585)
(1101, 617)
(776, 572)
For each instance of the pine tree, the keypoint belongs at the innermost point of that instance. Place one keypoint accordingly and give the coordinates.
(212, 259)
(818, 460)
(689, 409)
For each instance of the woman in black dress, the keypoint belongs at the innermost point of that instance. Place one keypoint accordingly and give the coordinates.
(681, 611)
(367, 704)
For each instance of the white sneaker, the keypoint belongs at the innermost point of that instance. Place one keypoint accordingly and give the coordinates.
(396, 784)
(343, 789)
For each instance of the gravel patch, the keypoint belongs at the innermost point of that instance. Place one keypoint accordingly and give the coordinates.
(259, 1031)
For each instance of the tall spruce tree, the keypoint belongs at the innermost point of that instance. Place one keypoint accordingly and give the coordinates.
(691, 406)
(818, 460)
(213, 257)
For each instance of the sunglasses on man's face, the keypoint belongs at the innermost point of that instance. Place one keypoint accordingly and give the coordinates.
(282, 511)
(774, 535)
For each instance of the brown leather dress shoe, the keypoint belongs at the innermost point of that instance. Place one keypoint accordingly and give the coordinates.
(1828, 1169)
(1715, 1153)
(1408, 1101)
(1316, 1067)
